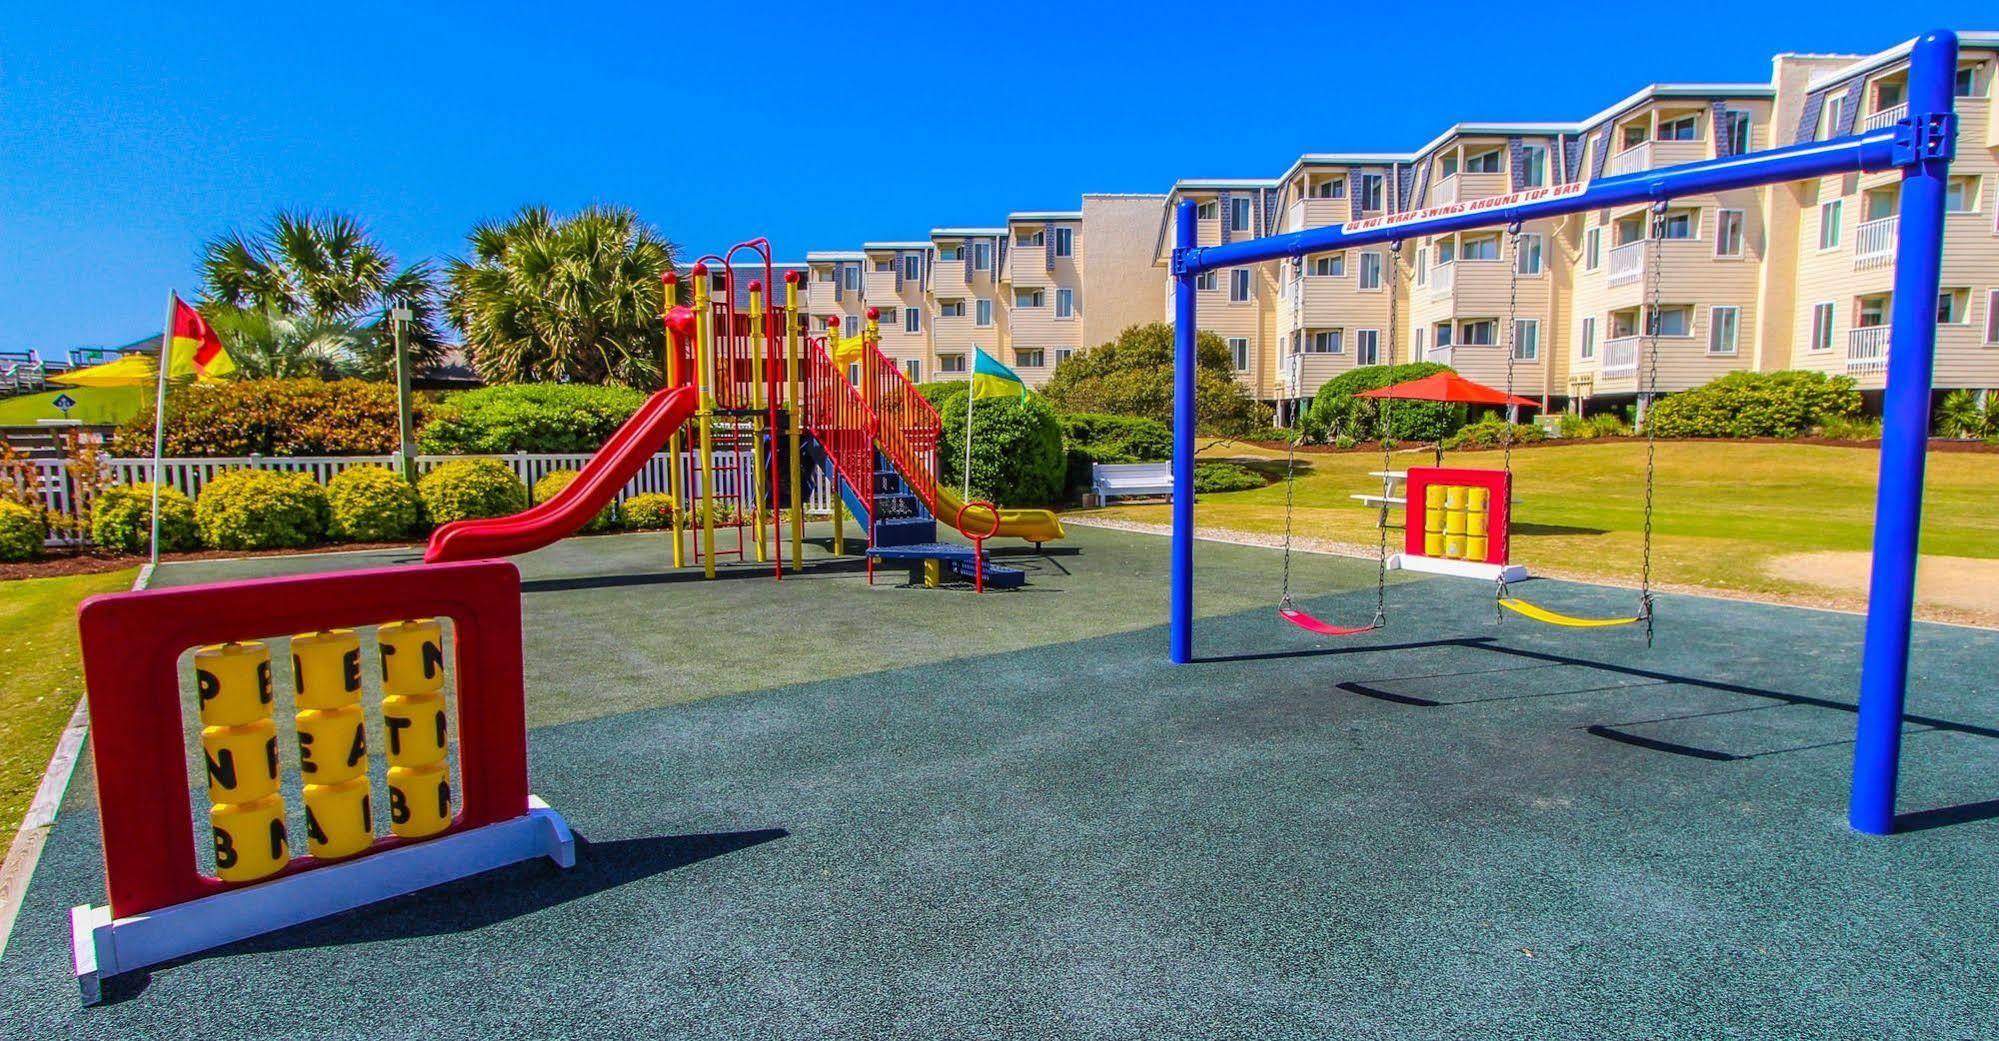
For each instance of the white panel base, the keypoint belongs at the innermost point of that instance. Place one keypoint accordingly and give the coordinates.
(1457, 568)
(106, 947)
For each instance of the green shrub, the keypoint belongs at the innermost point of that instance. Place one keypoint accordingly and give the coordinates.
(1225, 477)
(1757, 404)
(1851, 428)
(261, 509)
(725, 511)
(22, 529)
(272, 417)
(937, 392)
(553, 482)
(466, 488)
(372, 504)
(528, 417)
(1336, 410)
(1960, 414)
(122, 519)
(1345, 441)
(1094, 437)
(1491, 432)
(1609, 424)
(1017, 457)
(1133, 376)
(647, 511)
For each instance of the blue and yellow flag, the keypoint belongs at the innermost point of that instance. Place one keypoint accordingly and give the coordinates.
(990, 379)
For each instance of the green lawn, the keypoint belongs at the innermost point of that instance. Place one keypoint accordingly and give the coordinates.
(40, 678)
(96, 406)
(1722, 509)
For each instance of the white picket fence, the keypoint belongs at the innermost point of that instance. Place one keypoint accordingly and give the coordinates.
(58, 490)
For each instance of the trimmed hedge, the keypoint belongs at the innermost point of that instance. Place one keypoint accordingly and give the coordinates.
(463, 489)
(121, 519)
(528, 417)
(271, 417)
(1336, 411)
(647, 511)
(1491, 433)
(1096, 437)
(261, 509)
(553, 482)
(1017, 457)
(372, 504)
(938, 392)
(22, 529)
(1757, 404)
(1225, 477)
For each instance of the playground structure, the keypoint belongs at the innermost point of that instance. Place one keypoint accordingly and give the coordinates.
(1921, 144)
(745, 379)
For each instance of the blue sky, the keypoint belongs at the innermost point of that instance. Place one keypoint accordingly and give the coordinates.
(129, 135)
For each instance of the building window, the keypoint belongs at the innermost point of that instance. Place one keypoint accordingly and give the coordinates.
(982, 256)
(1029, 298)
(951, 363)
(1479, 332)
(1992, 316)
(1738, 134)
(1370, 270)
(1238, 285)
(1680, 224)
(949, 253)
(1535, 162)
(913, 369)
(1681, 129)
(1063, 354)
(1829, 215)
(826, 274)
(1239, 214)
(1966, 85)
(1029, 357)
(1960, 195)
(1367, 347)
(851, 325)
(950, 309)
(1822, 327)
(854, 373)
(1330, 188)
(912, 268)
(1587, 348)
(1635, 134)
(886, 315)
(1208, 210)
(1592, 249)
(1527, 339)
(912, 320)
(1673, 320)
(1527, 256)
(885, 265)
(1065, 242)
(1327, 341)
(1416, 342)
(1728, 233)
(1239, 350)
(1479, 247)
(1028, 237)
(1422, 266)
(1330, 265)
(852, 273)
(1953, 306)
(1371, 186)
(1205, 281)
(1835, 113)
(1065, 303)
(1483, 162)
(983, 314)
(1723, 326)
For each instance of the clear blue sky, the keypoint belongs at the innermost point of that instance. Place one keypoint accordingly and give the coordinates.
(129, 135)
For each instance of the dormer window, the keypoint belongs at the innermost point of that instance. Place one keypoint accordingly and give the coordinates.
(1483, 162)
(1026, 237)
(1683, 128)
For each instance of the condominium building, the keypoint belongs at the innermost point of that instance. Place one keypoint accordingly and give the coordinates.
(1239, 305)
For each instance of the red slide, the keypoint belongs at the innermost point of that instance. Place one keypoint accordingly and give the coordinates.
(621, 458)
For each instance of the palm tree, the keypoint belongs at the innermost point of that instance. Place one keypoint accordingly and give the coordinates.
(270, 344)
(569, 299)
(1962, 415)
(320, 271)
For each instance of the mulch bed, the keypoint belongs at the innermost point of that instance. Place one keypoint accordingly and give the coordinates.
(59, 563)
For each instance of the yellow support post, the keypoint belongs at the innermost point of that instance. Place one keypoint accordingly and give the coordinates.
(704, 346)
(796, 422)
(757, 403)
(674, 443)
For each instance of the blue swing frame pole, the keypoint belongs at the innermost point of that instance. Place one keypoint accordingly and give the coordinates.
(1184, 357)
(1905, 423)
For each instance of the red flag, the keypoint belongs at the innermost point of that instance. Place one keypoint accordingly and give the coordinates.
(193, 349)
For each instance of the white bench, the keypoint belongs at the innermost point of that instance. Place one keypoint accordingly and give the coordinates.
(1390, 480)
(1123, 480)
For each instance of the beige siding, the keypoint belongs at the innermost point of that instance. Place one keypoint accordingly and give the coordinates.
(1121, 285)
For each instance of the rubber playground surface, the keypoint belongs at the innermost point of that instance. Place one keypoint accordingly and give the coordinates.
(819, 809)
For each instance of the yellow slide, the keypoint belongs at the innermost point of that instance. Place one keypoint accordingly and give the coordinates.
(1035, 526)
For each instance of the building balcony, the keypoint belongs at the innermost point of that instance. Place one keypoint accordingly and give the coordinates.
(1627, 263)
(1438, 355)
(1874, 243)
(1443, 280)
(1620, 357)
(1444, 192)
(1867, 349)
(1887, 117)
(1652, 155)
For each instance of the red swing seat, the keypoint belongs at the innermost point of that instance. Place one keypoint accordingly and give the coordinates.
(1313, 625)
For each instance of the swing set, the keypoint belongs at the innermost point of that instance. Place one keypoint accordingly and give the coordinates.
(1921, 146)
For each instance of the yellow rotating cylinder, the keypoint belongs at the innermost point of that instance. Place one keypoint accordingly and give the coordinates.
(412, 657)
(1477, 522)
(1454, 521)
(332, 742)
(1433, 521)
(416, 727)
(239, 741)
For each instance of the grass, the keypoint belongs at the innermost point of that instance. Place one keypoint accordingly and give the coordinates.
(40, 678)
(95, 406)
(1722, 510)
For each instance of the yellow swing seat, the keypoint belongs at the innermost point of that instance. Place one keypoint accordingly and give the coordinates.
(1542, 614)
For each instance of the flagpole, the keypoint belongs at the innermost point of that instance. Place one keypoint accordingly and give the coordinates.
(970, 400)
(160, 423)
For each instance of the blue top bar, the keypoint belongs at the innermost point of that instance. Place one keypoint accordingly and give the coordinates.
(1874, 150)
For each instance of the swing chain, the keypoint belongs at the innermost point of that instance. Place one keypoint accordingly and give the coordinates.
(1659, 208)
(1387, 429)
(1506, 435)
(1290, 483)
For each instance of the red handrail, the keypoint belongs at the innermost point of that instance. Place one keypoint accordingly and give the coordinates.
(842, 422)
(907, 427)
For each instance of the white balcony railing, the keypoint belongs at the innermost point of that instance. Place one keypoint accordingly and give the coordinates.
(1443, 279)
(1627, 263)
(1445, 192)
(1439, 355)
(1874, 243)
(1631, 160)
(1887, 117)
(1620, 356)
(1867, 349)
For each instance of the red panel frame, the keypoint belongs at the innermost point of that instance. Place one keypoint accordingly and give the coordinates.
(132, 643)
(1498, 508)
